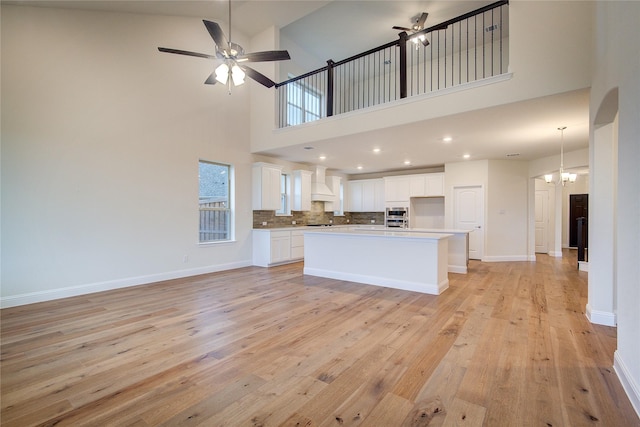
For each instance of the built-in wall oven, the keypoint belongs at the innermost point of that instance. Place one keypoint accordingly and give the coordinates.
(396, 217)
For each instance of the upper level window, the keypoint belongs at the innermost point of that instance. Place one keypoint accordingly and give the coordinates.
(304, 104)
(215, 203)
(285, 195)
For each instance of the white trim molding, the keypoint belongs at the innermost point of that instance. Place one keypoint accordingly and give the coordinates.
(556, 254)
(90, 288)
(626, 379)
(599, 317)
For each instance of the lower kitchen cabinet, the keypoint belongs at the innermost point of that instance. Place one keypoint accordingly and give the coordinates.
(272, 247)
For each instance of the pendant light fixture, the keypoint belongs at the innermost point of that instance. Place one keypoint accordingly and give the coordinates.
(563, 177)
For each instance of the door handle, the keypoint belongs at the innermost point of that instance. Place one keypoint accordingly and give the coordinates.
(478, 226)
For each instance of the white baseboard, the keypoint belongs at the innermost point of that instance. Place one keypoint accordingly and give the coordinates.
(599, 317)
(505, 258)
(48, 295)
(630, 386)
(583, 266)
(557, 254)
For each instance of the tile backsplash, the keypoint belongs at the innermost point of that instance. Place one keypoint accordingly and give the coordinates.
(316, 215)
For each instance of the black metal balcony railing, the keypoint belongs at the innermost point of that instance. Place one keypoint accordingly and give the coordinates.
(471, 47)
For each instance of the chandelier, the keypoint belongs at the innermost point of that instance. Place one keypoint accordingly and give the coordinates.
(564, 177)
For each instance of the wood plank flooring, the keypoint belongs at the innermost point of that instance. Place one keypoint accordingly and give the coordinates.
(506, 345)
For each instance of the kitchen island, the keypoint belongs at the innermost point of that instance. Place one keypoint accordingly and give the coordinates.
(414, 261)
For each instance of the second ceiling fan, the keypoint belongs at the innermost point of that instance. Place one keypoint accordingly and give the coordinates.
(417, 26)
(232, 58)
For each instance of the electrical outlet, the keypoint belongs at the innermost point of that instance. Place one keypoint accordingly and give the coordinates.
(373, 221)
(185, 259)
(348, 221)
(330, 221)
(293, 222)
(264, 222)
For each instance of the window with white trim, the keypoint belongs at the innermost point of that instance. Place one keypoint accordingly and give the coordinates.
(215, 201)
(304, 103)
(285, 195)
(340, 208)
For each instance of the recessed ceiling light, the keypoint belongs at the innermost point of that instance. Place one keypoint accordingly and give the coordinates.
(359, 167)
(407, 162)
(376, 150)
(447, 139)
(323, 157)
(466, 156)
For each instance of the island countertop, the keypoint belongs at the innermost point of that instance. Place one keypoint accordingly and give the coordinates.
(385, 232)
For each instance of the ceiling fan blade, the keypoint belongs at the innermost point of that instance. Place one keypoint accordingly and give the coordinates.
(422, 20)
(211, 80)
(259, 77)
(187, 53)
(216, 34)
(401, 28)
(270, 55)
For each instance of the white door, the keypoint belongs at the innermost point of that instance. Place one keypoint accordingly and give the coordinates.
(468, 208)
(542, 221)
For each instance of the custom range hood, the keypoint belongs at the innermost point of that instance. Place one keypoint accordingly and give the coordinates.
(320, 192)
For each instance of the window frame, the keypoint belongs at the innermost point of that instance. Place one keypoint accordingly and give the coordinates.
(285, 196)
(302, 110)
(227, 209)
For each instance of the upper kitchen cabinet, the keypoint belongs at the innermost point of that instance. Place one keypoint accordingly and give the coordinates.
(426, 185)
(266, 186)
(302, 190)
(397, 190)
(366, 195)
(434, 185)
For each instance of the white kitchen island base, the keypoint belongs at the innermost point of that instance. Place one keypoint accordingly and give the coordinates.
(409, 261)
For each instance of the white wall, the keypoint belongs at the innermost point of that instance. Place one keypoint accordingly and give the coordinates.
(507, 211)
(617, 66)
(101, 137)
(602, 227)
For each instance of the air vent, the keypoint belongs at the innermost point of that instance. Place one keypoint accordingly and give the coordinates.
(491, 28)
(513, 154)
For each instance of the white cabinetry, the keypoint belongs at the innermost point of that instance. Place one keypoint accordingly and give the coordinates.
(297, 245)
(434, 184)
(398, 189)
(366, 195)
(302, 190)
(280, 249)
(266, 186)
(271, 247)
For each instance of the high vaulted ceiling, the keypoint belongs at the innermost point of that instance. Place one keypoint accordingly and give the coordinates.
(337, 29)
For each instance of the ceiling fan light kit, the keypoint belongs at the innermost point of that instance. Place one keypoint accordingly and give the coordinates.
(233, 58)
(416, 28)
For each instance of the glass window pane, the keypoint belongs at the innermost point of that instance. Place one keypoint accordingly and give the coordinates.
(214, 205)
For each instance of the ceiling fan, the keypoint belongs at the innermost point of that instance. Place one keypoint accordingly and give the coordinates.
(232, 58)
(416, 27)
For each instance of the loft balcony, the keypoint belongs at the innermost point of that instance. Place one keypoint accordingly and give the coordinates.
(470, 48)
(524, 52)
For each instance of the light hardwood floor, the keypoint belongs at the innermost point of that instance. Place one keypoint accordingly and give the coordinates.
(506, 345)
